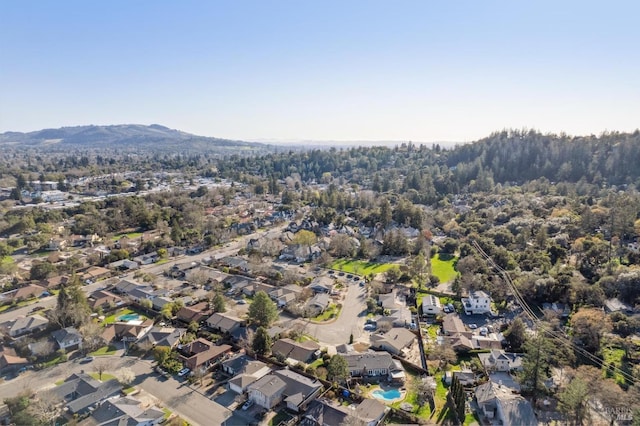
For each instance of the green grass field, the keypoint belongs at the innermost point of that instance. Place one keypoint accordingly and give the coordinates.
(329, 313)
(443, 267)
(105, 350)
(360, 267)
(130, 235)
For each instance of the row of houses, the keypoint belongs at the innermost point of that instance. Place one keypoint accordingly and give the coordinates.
(267, 388)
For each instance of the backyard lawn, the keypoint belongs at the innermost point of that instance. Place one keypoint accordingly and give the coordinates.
(360, 267)
(126, 311)
(442, 266)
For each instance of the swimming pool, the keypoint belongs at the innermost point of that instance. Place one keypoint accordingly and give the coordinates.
(129, 317)
(386, 395)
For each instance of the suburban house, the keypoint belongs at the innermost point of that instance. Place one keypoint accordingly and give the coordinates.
(395, 341)
(268, 391)
(205, 273)
(124, 411)
(23, 293)
(324, 413)
(500, 405)
(300, 253)
(236, 364)
(244, 371)
(322, 284)
(124, 265)
(195, 313)
(459, 342)
(616, 305)
(294, 389)
(56, 244)
(283, 296)
(453, 325)
(27, 325)
(9, 361)
(372, 412)
(54, 282)
(126, 286)
(374, 364)
(391, 300)
(235, 263)
(103, 299)
(297, 351)
(317, 304)
(95, 273)
(141, 293)
(431, 305)
(235, 283)
(492, 341)
(327, 413)
(478, 302)
(162, 336)
(201, 353)
(499, 360)
(224, 322)
(67, 338)
(81, 392)
(158, 303)
(400, 316)
(126, 331)
(147, 259)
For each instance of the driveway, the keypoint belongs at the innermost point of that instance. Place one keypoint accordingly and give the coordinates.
(351, 319)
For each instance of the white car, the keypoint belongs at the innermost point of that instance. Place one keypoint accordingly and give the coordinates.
(473, 326)
(183, 372)
(247, 405)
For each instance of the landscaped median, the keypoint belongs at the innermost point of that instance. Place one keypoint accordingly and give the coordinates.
(329, 314)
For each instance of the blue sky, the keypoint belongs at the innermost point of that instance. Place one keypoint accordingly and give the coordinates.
(322, 70)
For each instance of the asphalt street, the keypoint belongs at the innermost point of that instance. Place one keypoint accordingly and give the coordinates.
(187, 402)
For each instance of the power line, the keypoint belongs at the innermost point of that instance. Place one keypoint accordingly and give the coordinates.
(529, 312)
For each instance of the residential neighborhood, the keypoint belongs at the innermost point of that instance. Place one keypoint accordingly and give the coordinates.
(321, 305)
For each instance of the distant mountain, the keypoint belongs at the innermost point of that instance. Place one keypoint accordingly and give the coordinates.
(126, 136)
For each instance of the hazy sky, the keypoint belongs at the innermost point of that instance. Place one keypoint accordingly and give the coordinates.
(324, 70)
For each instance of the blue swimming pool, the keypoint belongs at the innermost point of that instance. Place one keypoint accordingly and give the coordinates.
(129, 317)
(386, 395)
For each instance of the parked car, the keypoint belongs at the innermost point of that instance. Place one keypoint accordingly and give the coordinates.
(369, 327)
(473, 326)
(184, 372)
(86, 359)
(247, 405)
(241, 302)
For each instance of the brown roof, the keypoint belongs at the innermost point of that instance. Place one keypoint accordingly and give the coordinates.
(300, 351)
(452, 324)
(102, 297)
(196, 313)
(203, 351)
(28, 291)
(94, 272)
(54, 282)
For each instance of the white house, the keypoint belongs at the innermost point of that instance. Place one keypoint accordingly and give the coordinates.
(478, 302)
(431, 305)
